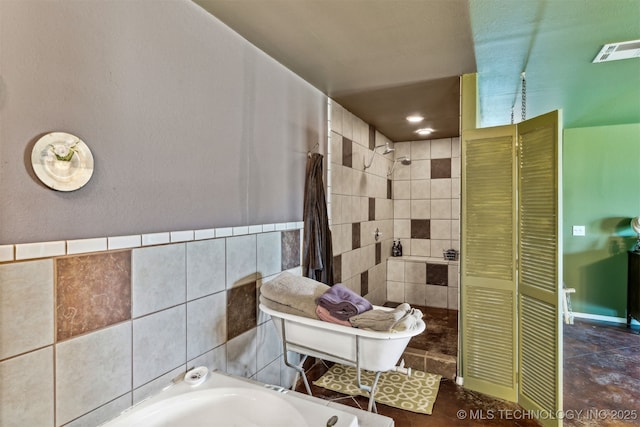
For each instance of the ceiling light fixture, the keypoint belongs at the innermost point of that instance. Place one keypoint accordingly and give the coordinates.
(415, 118)
(424, 131)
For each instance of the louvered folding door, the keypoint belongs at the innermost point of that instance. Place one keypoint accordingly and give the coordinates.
(510, 265)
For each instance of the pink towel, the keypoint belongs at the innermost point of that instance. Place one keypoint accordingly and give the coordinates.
(323, 314)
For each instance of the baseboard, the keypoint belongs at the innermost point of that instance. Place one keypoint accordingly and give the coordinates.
(602, 318)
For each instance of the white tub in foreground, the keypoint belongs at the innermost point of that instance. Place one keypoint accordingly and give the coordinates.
(222, 400)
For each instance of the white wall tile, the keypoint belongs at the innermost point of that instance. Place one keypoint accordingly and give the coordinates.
(105, 375)
(436, 296)
(402, 149)
(402, 209)
(415, 272)
(241, 260)
(441, 188)
(26, 389)
(420, 189)
(158, 278)
(395, 270)
(156, 385)
(441, 209)
(452, 298)
(239, 231)
(104, 413)
(206, 324)
(6, 253)
(253, 229)
(156, 239)
(401, 190)
(441, 148)
(86, 245)
(420, 209)
(269, 253)
(421, 150)
(415, 293)
(26, 306)
(224, 232)
(214, 359)
(242, 354)
(206, 267)
(40, 250)
(207, 233)
(421, 247)
(420, 169)
(268, 227)
(269, 346)
(181, 236)
(159, 344)
(402, 229)
(440, 229)
(395, 291)
(124, 242)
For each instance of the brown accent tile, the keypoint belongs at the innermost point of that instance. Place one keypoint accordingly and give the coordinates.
(440, 168)
(364, 283)
(347, 152)
(389, 189)
(290, 249)
(372, 137)
(420, 229)
(92, 291)
(337, 269)
(241, 309)
(355, 235)
(437, 274)
(378, 253)
(372, 209)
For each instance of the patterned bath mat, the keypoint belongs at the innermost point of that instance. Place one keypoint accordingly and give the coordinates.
(416, 393)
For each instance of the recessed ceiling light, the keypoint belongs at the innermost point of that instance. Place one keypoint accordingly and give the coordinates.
(415, 119)
(424, 131)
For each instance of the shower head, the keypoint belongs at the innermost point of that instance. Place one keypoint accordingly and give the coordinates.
(405, 160)
(387, 150)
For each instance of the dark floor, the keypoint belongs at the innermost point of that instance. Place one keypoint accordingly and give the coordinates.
(601, 373)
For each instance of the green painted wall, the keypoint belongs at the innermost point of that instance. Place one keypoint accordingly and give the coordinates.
(601, 183)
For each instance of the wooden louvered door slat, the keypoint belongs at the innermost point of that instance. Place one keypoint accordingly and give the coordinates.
(540, 267)
(488, 263)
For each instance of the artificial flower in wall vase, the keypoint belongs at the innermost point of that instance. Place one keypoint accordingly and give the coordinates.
(62, 161)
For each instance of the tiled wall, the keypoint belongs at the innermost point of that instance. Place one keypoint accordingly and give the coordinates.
(423, 281)
(426, 197)
(83, 336)
(419, 204)
(359, 203)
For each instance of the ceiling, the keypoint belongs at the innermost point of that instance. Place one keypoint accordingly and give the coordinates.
(384, 60)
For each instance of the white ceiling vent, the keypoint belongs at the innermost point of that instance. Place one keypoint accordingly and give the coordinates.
(620, 50)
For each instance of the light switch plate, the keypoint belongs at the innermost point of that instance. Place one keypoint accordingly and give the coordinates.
(579, 230)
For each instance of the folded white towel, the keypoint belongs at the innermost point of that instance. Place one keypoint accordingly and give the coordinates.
(380, 320)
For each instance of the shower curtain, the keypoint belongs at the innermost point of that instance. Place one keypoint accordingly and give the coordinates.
(317, 254)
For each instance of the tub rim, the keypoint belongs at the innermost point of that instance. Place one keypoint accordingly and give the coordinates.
(380, 335)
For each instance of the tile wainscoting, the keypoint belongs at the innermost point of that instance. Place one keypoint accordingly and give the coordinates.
(94, 326)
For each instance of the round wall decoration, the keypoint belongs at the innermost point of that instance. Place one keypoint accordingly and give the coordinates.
(62, 161)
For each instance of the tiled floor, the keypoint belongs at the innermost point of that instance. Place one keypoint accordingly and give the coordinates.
(601, 372)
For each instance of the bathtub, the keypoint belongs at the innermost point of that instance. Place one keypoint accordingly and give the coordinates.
(225, 400)
(362, 349)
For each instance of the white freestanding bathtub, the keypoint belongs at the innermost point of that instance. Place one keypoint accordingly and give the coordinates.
(363, 349)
